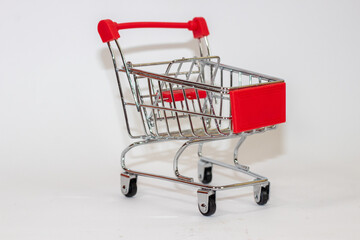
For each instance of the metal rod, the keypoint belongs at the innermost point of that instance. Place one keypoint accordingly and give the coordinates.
(182, 111)
(162, 102)
(247, 72)
(122, 96)
(176, 114)
(153, 110)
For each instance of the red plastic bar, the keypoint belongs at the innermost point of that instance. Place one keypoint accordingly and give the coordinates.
(129, 25)
(108, 29)
(258, 106)
(179, 95)
(191, 93)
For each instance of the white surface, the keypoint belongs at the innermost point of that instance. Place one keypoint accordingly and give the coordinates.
(62, 129)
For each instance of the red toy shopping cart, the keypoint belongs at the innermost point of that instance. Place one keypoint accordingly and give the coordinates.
(196, 100)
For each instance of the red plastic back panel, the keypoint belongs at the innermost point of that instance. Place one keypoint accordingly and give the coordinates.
(258, 106)
(179, 95)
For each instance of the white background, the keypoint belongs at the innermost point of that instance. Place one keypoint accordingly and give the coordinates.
(62, 128)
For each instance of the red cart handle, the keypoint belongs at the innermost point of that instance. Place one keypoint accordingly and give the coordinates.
(108, 29)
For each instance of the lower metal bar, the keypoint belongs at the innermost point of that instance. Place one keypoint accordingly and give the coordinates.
(195, 184)
(225, 165)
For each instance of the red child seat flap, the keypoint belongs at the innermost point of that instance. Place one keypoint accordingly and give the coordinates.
(179, 95)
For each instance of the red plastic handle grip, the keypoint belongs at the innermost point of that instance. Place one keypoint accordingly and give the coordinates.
(108, 29)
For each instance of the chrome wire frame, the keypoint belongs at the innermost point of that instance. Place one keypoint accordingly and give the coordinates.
(177, 118)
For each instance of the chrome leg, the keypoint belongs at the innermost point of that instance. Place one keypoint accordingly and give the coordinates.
(200, 150)
(133, 145)
(176, 160)
(183, 147)
(236, 152)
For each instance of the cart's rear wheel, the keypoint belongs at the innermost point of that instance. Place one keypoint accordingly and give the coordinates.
(205, 171)
(132, 188)
(207, 177)
(128, 184)
(262, 196)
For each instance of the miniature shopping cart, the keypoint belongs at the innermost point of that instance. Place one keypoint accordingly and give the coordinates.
(197, 100)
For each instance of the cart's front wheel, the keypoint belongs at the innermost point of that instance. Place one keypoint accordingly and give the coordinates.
(206, 202)
(261, 194)
(128, 184)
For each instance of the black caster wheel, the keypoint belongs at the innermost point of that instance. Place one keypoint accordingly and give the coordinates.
(128, 185)
(132, 188)
(205, 172)
(207, 177)
(207, 202)
(262, 195)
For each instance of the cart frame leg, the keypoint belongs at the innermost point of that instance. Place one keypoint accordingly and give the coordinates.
(207, 162)
(178, 154)
(236, 153)
(258, 179)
